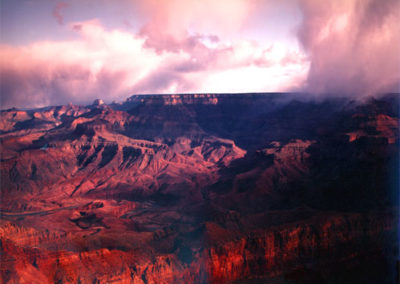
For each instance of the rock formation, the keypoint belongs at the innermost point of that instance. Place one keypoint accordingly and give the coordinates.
(201, 188)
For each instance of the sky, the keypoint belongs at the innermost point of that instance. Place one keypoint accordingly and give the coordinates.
(55, 52)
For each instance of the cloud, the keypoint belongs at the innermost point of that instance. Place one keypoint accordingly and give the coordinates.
(57, 12)
(353, 46)
(175, 18)
(114, 64)
(348, 47)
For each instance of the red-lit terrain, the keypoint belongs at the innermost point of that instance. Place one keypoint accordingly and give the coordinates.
(201, 189)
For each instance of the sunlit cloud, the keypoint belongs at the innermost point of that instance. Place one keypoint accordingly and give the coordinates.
(114, 64)
(338, 47)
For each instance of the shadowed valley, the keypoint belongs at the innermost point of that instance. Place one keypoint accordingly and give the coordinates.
(227, 188)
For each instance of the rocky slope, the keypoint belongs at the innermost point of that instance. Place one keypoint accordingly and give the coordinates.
(252, 188)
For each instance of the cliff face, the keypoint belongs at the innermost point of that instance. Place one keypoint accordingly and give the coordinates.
(282, 249)
(200, 189)
(259, 254)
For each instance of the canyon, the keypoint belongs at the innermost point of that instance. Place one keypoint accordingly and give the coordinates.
(201, 188)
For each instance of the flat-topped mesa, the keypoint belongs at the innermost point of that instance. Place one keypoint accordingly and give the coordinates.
(205, 99)
(177, 99)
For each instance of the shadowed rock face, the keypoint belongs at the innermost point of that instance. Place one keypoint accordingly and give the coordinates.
(252, 188)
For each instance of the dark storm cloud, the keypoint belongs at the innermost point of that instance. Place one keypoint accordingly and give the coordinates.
(353, 46)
